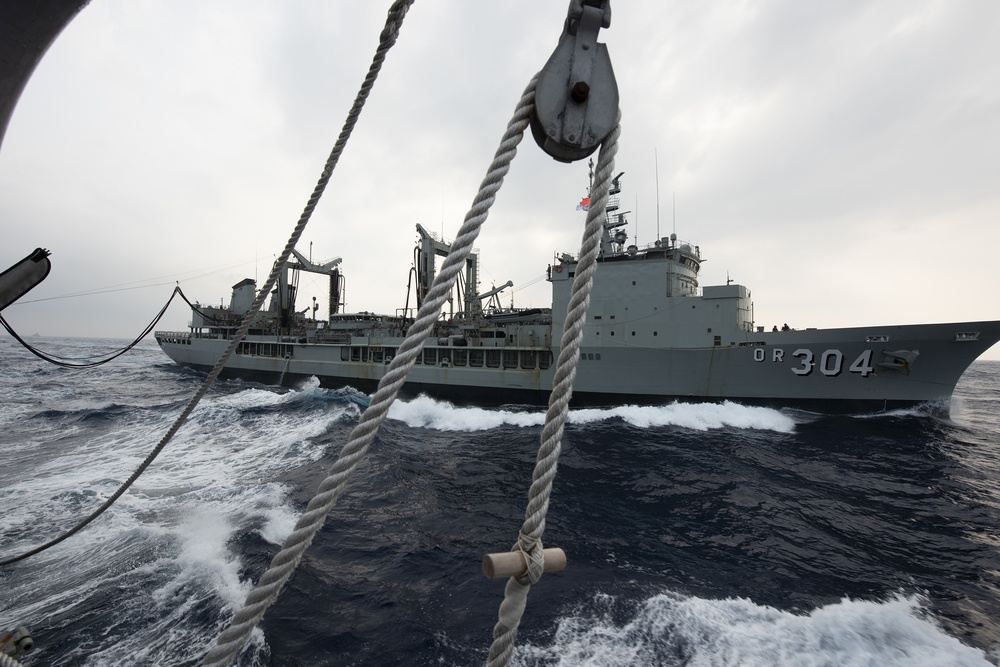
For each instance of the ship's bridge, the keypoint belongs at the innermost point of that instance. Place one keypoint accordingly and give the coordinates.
(683, 261)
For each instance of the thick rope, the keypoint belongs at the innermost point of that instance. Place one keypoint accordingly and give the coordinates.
(530, 538)
(388, 37)
(8, 661)
(286, 561)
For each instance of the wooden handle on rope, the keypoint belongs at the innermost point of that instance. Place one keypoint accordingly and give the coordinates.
(512, 563)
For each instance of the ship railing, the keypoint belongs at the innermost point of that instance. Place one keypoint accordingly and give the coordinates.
(338, 336)
(173, 337)
(666, 244)
(172, 334)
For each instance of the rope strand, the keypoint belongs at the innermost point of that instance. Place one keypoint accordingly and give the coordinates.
(285, 562)
(530, 536)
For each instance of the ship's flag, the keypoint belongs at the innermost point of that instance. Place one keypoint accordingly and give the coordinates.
(584, 204)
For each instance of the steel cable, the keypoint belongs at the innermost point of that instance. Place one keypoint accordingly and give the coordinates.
(67, 362)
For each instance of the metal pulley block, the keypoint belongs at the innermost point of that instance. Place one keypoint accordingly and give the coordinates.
(576, 97)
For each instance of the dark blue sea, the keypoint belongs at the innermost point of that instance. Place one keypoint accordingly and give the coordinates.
(697, 535)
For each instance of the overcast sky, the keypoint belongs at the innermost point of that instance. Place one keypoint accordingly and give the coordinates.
(841, 159)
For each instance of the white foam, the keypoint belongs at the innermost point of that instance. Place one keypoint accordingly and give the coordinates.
(205, 559)
(279, 518)
(930, 409)
(695, 416)
(424, 412)
(165, 546)
(675, 630)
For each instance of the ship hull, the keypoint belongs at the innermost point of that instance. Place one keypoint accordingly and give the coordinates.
(495, 397)
(847, 370)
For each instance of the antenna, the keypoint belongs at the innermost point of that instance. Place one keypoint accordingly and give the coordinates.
(656, 171)
(675, 211)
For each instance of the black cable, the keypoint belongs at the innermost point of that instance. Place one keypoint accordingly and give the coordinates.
(205, 316)
(65, 362)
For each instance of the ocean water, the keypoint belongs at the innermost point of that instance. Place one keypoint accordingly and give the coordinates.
(697, 535)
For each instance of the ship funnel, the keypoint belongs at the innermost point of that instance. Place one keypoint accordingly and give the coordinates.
(243, 296)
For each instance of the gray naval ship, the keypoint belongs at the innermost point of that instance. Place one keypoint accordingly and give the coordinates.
(652, 336)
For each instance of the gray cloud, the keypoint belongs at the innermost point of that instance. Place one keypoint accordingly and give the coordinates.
(838, 158)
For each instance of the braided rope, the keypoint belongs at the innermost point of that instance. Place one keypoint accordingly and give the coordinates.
(530, 537)
(285, 562)
(8, 661)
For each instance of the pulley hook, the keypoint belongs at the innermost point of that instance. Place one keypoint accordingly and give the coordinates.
(576, 97)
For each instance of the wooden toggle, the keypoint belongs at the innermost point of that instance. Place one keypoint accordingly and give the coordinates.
(513, 563)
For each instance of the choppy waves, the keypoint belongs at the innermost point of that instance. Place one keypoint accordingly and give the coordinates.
(748, 507)
(158, 564)
(673, 630)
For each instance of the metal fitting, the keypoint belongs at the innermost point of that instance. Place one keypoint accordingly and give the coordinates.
(576, 96)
